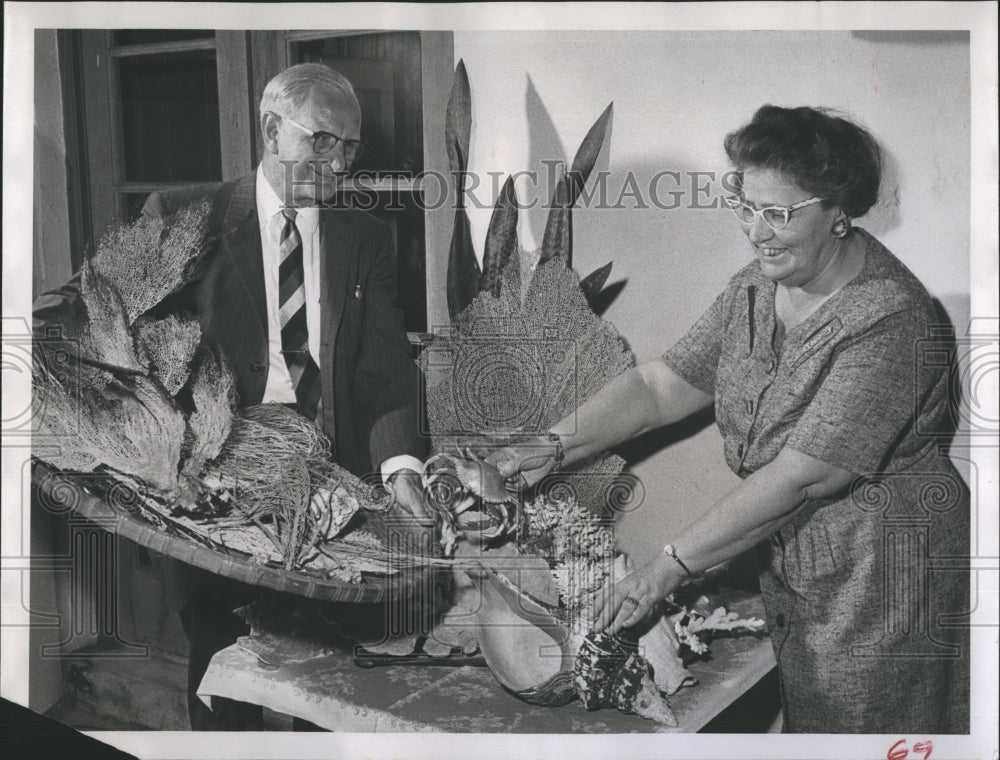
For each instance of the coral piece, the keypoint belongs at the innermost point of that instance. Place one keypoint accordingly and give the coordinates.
(690, 625)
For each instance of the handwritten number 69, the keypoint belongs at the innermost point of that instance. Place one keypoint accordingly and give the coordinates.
(899, 750)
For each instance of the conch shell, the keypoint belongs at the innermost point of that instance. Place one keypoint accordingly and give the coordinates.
(526, 646)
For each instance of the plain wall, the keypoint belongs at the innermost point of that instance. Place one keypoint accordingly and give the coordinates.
(676, 95)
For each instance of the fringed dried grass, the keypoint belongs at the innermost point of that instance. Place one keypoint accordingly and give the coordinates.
(169, 345)
(275, 460)
(153, 257)
(268, 432)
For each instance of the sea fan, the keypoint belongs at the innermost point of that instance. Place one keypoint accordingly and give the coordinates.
(508, 371)
(213, 390)
(105, 338)
(131, 427)
(63, 419)
(149, 259)
(168, 345)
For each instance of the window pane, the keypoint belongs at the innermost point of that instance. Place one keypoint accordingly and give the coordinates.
(133, 205)
(146, 36)
(385, 71)
(170, 117)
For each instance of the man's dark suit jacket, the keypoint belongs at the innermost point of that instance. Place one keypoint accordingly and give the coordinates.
(369, 380)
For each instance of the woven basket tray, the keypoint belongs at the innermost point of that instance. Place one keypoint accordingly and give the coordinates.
(116, 509)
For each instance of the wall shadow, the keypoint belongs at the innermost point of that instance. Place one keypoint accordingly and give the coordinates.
(884, 215)
(543, 145)
(645, 446)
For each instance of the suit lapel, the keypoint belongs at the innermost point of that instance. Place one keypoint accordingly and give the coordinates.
(245, 258)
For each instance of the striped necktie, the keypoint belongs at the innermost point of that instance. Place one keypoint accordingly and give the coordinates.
(292, 313)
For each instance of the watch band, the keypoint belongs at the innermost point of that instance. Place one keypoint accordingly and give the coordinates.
(671, 552)
(560, 454)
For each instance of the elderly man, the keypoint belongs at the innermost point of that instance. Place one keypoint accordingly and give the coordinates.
(300, 297)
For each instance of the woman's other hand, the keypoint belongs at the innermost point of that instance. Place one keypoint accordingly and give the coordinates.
(630, 600)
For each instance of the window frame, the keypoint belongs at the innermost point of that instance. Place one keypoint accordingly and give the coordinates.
(245, 61)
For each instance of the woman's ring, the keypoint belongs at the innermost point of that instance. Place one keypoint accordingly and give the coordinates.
(635, 602)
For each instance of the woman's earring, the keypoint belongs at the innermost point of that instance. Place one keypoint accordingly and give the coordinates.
(841, 229)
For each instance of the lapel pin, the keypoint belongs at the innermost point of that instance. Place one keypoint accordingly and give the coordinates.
(357, 291)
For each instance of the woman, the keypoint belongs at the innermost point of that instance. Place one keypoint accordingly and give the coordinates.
(809, 356)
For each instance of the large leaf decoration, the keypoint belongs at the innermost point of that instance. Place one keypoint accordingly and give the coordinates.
(463, 268)
(599, 298)
(557, 242)
(586, 155)
(501, 239)
(458, 121)
(591, 284)
(602, 301)
(558, 238)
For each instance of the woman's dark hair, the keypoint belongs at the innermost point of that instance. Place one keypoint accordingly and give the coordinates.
(828, 156)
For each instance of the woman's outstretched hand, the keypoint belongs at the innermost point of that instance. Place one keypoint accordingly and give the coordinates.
(526, 463)
(630, 600)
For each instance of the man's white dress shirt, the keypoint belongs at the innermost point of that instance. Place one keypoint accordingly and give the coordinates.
(279, 382)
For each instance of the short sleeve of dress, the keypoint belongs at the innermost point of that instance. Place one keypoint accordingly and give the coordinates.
(867, 400)
(695, 357)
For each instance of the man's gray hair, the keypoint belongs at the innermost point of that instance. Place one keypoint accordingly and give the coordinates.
(289, 89)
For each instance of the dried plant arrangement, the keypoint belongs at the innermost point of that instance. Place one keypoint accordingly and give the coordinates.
(154, 408)
(525, 348)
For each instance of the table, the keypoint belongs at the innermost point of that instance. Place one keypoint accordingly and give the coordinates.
(337, 695)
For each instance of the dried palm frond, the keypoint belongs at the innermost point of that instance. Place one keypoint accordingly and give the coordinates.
(168, 345)
(149, 259)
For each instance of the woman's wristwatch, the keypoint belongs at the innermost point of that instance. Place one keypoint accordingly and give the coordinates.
(671, 552)
(560, 454)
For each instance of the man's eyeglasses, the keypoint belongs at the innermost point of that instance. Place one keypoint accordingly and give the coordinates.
(324, 142)
(775, 217)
